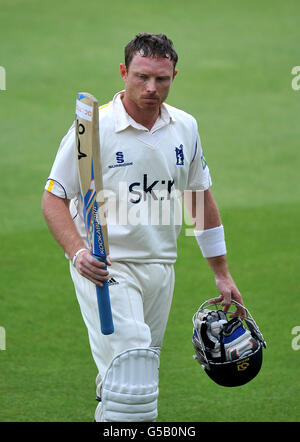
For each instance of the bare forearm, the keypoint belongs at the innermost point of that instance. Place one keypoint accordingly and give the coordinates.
(209, 223)
(202, 209)
(212, 219)
(211, 212)
(62, 227)
(60, 223)
(219, 266)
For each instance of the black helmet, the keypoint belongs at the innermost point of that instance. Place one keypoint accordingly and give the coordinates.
(229, 352)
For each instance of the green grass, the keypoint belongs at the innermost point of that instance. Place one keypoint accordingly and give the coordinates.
(235, 61)
(264, 263)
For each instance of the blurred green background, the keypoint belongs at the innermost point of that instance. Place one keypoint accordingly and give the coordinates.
(235, 62)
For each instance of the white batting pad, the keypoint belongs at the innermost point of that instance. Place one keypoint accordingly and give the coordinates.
(130, 388)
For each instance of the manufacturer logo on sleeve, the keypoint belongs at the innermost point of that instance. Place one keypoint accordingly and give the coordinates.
(203, 161)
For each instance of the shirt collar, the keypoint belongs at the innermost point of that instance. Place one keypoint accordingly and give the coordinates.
(123, 120)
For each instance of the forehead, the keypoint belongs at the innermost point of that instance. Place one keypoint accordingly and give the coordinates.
(151, 65)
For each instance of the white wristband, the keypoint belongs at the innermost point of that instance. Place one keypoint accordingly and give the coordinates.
(211, 241)
(76, 254)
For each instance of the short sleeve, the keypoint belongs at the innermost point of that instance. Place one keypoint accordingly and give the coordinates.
(199, 176)
(63, 180)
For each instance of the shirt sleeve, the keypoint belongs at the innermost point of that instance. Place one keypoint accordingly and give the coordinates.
(199, 176)
(63, 180)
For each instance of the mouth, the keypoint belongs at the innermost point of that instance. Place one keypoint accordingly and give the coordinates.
(151, 99)
(151, 96)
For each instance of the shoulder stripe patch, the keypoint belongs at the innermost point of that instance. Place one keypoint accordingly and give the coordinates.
(104, 105)
(50, 185)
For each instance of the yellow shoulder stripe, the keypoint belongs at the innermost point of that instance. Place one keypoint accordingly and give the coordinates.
(50, 185)
(104, 105)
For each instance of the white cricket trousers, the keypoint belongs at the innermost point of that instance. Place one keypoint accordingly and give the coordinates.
(140, 295)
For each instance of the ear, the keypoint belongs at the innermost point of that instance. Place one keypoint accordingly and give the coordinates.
(123, 71)
(174, 74)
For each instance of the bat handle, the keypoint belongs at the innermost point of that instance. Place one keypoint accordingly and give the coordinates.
(104, 307)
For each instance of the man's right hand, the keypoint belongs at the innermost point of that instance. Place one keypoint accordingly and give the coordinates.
(91, 268)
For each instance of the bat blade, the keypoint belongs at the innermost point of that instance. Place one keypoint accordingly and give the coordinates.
(91, 183)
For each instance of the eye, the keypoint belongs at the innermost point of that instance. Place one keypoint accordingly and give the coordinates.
(142, 77)
(161, 79)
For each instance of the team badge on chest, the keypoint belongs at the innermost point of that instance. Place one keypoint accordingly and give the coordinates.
(179, 155)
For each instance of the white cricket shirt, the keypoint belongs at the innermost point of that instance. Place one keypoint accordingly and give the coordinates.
(144, 176)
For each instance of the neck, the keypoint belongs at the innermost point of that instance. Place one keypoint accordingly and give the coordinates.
(145, 117)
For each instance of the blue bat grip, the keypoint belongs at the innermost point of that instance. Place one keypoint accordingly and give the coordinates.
(104, 307)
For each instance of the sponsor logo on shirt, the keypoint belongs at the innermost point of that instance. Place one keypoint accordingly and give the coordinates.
(138, 189)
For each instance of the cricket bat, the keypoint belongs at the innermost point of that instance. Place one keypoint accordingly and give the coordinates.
(91, 183)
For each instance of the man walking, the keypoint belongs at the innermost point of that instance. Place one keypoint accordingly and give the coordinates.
(151, 151)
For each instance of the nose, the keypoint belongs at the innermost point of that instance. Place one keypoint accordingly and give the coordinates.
(151, 86)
